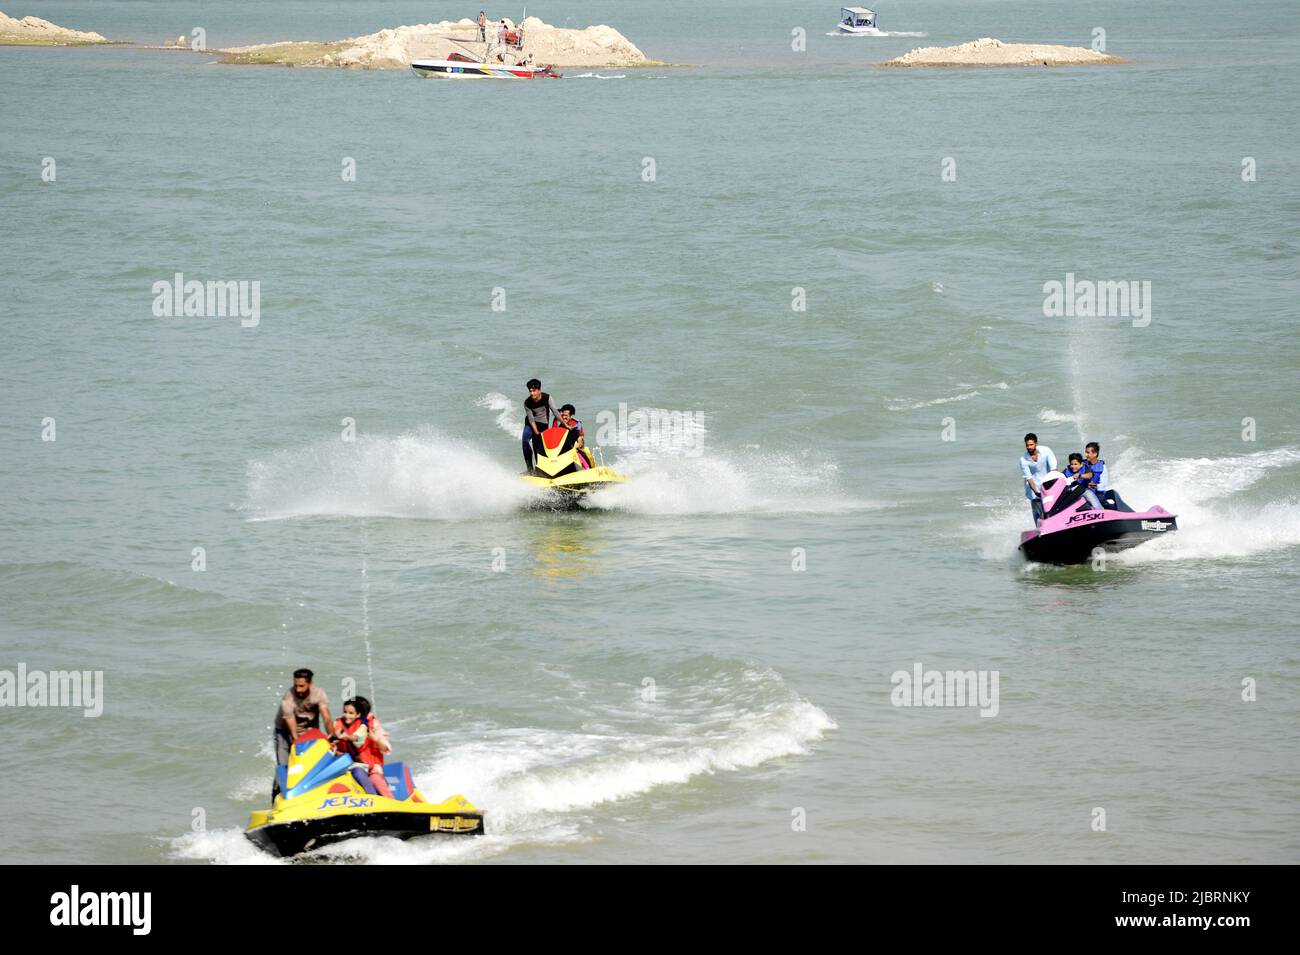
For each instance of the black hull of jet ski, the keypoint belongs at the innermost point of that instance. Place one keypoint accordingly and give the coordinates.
(298, 836)
(1075, 546)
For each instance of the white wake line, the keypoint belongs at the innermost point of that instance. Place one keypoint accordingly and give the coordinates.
(859, 36)
(901, 404)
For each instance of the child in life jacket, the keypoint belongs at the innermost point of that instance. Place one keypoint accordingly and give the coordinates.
(1076, 470)
(360, 734)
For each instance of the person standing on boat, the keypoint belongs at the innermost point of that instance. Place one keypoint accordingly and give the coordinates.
(1034, 465)
(482, 27)
(539, 412)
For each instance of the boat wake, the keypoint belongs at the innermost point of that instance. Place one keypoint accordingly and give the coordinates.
(428, 475)
(855, 36)
(425, 475)
(752, 482)
(909, 404)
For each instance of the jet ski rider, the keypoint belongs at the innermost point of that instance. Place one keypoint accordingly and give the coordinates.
(567, 420)
(360, 734)
(539, 412)
(1035, 463)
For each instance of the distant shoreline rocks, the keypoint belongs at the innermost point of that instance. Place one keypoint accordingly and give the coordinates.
(988, 51)
(394, 49)
(33, 31)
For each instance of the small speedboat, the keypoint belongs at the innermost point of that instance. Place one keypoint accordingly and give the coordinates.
(320, 803)
(1070, 530)
(561, 466)
(459, 66)
(858, 21)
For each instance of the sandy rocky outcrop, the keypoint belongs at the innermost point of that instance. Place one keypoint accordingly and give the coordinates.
(33, 31)
(393, 49)
(990, 52)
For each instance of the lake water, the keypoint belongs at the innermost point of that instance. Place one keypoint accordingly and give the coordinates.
(696, 667)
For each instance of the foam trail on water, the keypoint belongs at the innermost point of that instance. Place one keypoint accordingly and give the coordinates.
(712, 483)
(1212, 523)
(855, 36)
(509, 419)
(424, 475)
(907, 404)
(1048, 416)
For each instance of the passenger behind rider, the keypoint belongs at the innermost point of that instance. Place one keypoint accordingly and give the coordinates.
(1100, 483)
(360, 735)
(567, 420)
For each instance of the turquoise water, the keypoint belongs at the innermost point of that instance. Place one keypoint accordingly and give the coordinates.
(821, 441)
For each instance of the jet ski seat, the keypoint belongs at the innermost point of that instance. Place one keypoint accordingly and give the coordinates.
(1114, 502)
(399, 780)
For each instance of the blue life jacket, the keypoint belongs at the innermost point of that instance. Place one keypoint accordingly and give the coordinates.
(1098, 473)
(1081, 476)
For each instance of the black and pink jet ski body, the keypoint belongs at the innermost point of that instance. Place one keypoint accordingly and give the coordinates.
(1071, 530)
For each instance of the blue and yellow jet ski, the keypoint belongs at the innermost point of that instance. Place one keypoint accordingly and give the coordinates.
(320, 803)
(561, 466)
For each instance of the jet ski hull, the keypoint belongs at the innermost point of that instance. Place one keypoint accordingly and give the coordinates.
(578, 483)
(1071, 530)
(302, 835)
(1077, 545)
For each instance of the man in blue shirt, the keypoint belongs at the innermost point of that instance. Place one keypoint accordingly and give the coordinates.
(1100, 482)
(1034, 465)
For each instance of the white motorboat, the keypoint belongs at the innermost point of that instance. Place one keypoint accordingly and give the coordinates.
(858, 21)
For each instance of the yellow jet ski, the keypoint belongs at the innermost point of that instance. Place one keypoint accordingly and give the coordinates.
(561, 466)
(320, 802)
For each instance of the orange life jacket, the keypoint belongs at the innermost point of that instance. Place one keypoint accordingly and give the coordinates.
(369, 752)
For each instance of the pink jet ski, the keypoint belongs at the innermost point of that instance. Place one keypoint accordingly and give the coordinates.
(1071, 529)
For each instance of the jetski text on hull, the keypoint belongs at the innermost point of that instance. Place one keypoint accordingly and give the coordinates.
(1070, 530)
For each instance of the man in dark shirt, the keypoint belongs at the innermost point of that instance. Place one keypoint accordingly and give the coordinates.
(539, 412)
(303, 707)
